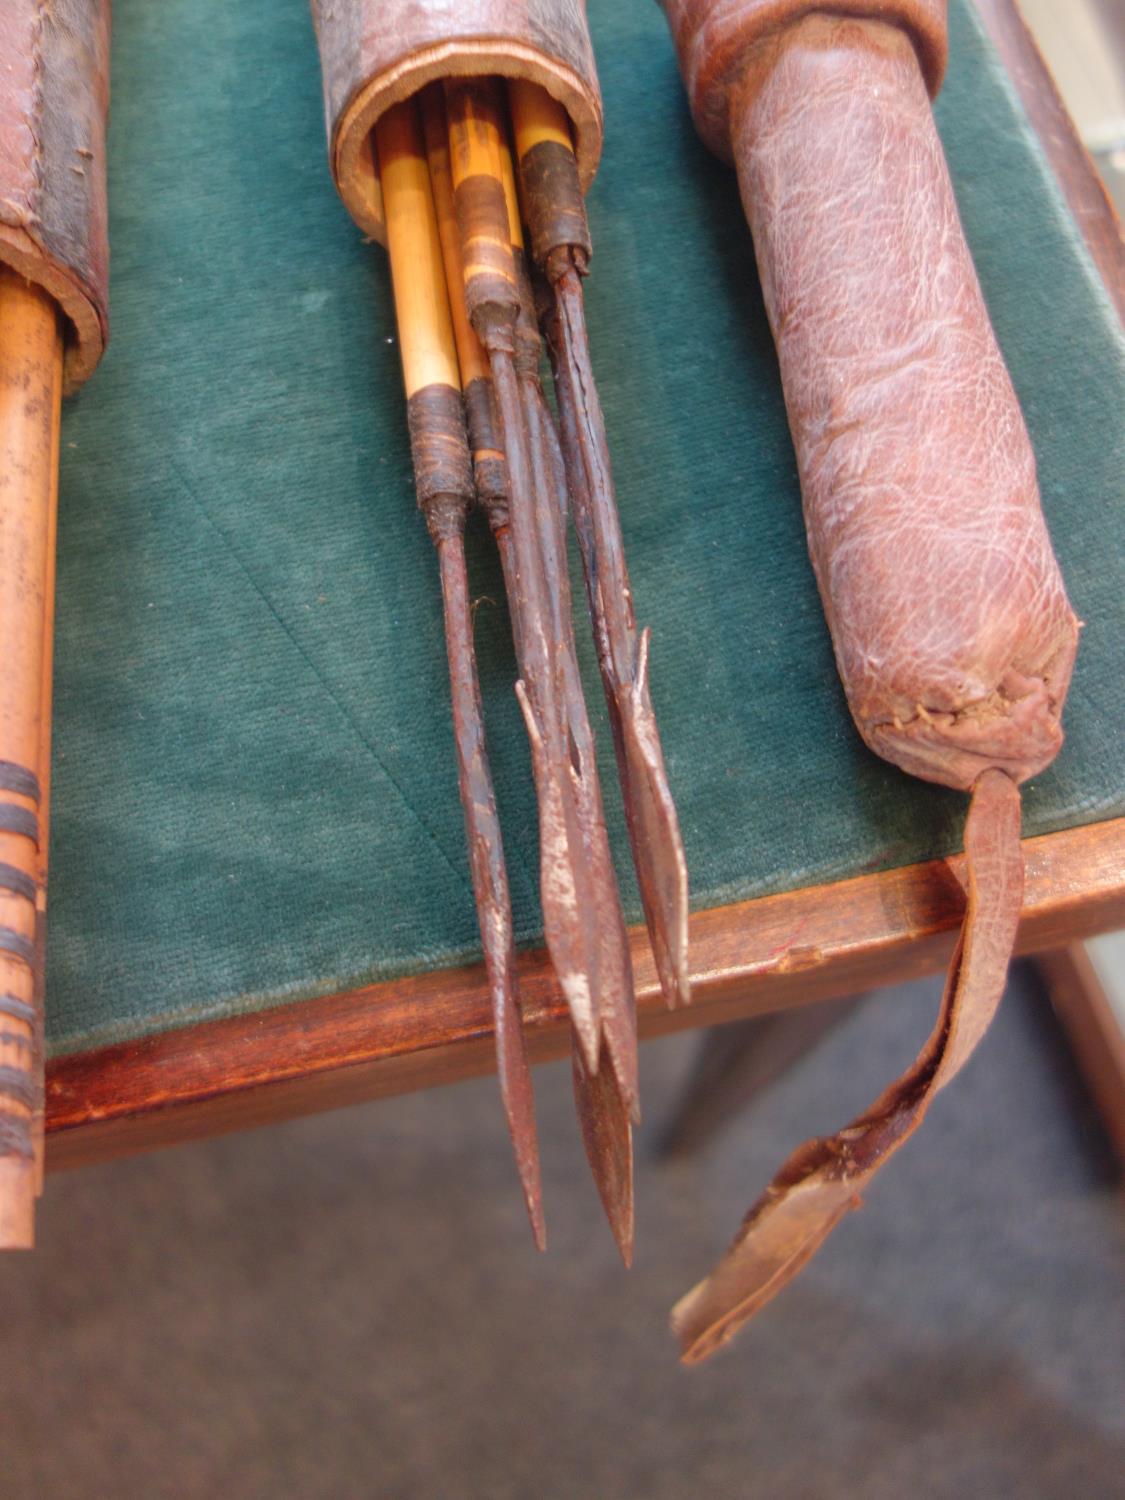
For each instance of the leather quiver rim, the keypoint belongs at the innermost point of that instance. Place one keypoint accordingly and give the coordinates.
(713, 39)
(54, 100)
(352, 159)
(88, 331)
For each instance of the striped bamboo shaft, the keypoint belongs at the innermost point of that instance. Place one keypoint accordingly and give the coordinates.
(489, 472)
(31, 352)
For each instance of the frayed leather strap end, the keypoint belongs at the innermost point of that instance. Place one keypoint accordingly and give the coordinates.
(824, 1179)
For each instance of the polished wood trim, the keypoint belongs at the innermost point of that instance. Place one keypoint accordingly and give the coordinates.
(429, 1029)
(1071, 163)
(1094, 1033)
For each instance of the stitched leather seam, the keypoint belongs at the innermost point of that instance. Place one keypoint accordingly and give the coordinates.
(37, 106)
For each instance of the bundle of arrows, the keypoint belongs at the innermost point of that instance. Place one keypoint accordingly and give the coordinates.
(472, 291)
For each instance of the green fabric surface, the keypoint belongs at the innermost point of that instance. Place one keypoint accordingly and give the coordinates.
(254, 788)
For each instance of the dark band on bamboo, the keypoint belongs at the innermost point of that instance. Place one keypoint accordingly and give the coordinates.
(489, 471)
(17, 945)
(490, 277)
(19, 820)
(17, 1009)
(553, 205)
(528, 346)
(443, 474)
(18, 1086)
(19, 779)
(15, 1137)
(17, 882)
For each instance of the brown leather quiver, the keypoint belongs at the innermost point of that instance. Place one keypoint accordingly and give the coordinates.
(951, 626)
(54, 99)
(375, 53)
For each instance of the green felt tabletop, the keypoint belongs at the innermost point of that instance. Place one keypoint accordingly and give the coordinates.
(254, 789)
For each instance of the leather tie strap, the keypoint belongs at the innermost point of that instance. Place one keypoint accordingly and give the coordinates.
(824, 1179)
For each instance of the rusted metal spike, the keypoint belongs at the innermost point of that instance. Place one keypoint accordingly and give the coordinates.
(570, 913)
(608, 1139)
(443, 480)
(490, 877)
(606, 1105)
(615, 994)
(551, 195)
(654, 830)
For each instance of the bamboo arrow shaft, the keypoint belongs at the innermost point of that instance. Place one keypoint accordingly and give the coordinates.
(489, 472)
(570, 902)
(31, 348)
(583, 921)
(432, 377)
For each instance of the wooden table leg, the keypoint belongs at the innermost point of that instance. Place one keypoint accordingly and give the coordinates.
(1093, 1030)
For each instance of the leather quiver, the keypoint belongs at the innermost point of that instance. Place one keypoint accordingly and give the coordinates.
(951, 627)
(375, 53)
(54, 100)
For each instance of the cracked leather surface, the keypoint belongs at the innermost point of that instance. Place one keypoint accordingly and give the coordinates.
(375, 53)
(951, 626)
(54, 100)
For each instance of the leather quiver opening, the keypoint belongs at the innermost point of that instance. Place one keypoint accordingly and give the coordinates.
(54, 101)
(714, 37)
(376, 53)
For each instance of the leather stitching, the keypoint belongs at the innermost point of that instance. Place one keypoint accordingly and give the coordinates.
(38, 26)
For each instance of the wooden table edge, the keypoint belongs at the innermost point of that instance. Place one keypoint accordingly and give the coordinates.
(1094, 1032)
(427, 1029)
(749, 957)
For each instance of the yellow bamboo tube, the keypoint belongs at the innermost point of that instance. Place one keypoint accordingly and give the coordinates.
(45, 739)
(425, 325)
(536, 117)
(31, 349)
(511, 196)
(470, 351)
(475, 129)
(489, 474)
